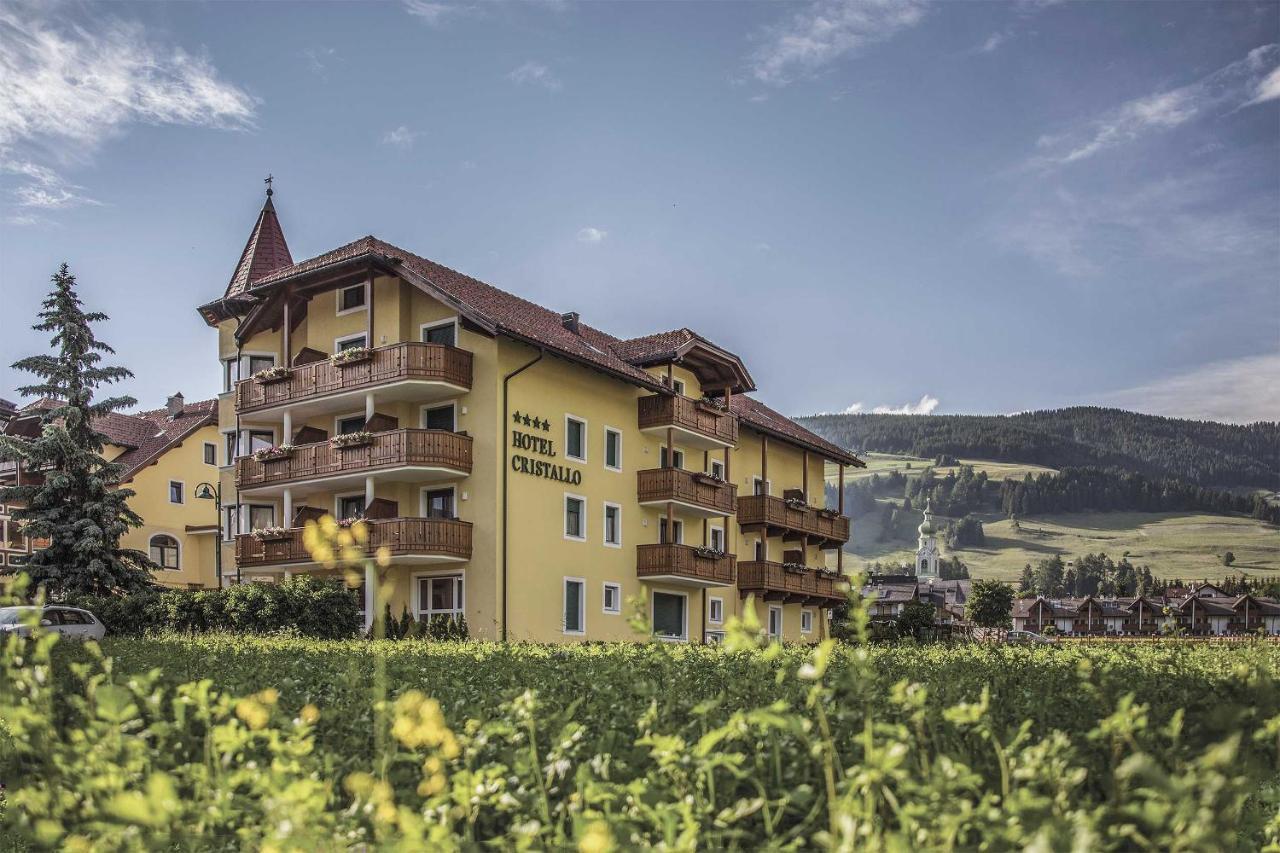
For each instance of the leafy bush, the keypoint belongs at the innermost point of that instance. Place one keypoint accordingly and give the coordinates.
(306, 605)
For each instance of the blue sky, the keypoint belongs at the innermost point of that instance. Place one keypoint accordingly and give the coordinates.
(954, 207)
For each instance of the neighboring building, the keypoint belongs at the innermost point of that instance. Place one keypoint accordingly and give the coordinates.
(167, 453)
(524, 468)
(890, 593)
(1203, 609)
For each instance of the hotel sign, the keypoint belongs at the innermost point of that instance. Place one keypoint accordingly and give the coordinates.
(531, 442)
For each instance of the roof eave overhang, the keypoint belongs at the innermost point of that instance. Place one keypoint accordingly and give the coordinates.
(825, 452)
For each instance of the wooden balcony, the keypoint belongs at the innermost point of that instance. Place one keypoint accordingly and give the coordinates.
(428, 453)
(411, 364)
(693, 491)
(776, 517)
(409, 539)
(683, 564)
(699, 424)
(777, 582)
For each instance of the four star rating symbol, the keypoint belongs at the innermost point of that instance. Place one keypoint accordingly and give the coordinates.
(533, 422)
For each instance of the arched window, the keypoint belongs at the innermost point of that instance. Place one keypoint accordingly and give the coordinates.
(164, 551)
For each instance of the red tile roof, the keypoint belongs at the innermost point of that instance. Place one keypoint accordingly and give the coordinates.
(509, 314)
(265, 252)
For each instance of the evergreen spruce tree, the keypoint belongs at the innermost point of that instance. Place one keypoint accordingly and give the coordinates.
(78, 508)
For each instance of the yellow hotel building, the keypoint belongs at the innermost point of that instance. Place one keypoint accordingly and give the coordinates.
(526, 471)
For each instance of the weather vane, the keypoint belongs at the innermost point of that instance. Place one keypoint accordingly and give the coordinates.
(267, 180)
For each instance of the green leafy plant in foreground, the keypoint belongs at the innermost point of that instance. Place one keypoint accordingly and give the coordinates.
(99, 758)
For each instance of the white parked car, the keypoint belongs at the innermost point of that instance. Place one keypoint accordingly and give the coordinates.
(70, 622)
(1028, 637)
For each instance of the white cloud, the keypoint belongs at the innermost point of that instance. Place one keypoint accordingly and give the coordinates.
(993, 41)
(432, 13)
(77, 85)
(1229, 87)
(925, 407)
(318, 59)
(535, 74)
(1241, 390)
(401, 137)
(591, 235)
(825, 31)
(45, 189)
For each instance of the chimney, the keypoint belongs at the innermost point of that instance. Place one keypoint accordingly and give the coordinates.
(175, 405)
(570, 321)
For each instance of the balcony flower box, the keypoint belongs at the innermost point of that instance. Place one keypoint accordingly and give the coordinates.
(715, 405)
(273, 454)
(708, 554)
(708, 479)
(271, 534)
(795, 568)
(346, 523)
(278, 373)
(796, 503)
(348, 440)
(351, 355)
(826, 512)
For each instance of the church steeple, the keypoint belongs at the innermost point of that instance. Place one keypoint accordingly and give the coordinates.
(265, 251)
(927, 553)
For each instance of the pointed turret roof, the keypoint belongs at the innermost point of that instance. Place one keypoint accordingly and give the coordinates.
(265, 252)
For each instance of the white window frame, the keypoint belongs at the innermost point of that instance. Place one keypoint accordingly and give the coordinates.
(671, 456)
(684, 637)
(246, 515)
(172, 536)
(715, 638)
(617, 598)
(678, 386)
(715, 464)
(604, 524)
(564, 517)
(339, 341)
(422, 498)
(205, 445)
(183, 485)
(585, 438)
(229, 453)
(339, 311)
(229, 386)
(247, 355)
(712, 618)
(436, 324)
(230, 522)
(338, 497)
(677, 524)
(422, 413)
(768, 625)
(338, 419)
(724, 543)
(608, 431)
(806, 621)
(768, 485)
(582, 606)
(415, 594)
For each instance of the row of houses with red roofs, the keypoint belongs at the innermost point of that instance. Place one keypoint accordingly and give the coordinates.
(1203, 609)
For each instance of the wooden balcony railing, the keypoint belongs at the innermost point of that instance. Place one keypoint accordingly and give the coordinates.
(776, 581)
(675, 410)
(779, 518)
(684, 561)
(400, 448)
(394, 363)
(687, 487)
(405, 537)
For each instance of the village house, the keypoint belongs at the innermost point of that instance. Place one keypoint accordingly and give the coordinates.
(524, 469)
(1203, 609)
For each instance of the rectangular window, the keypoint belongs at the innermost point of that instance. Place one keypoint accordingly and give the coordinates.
(349, 342)
(612, 449)
(210, 453)
(575, 617)
(440, 596)
(351, 298)
(717, 469)
(761, 552)
(230, 374)
(351, 506)
(259, 439)
(715, 538)
(759, 487)
(613, 525)
(575, 511)
(349, 424)
(437, 503)
(669, 616)
(230, 443)
(677, 458)
(261, 516)
(677, 385)
(14, 537)
(230, 522)
(715, 638)
(259, 363)
(806, 621)
(575, 438)
(612, 598)
(175, 492)
(439, 417)
(441, 333)
(677, 531)
(715, 610)
(775, 623)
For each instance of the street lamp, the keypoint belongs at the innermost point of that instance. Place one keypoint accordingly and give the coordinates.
(208, 491)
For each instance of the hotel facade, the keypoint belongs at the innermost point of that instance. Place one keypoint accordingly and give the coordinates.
(526, 471)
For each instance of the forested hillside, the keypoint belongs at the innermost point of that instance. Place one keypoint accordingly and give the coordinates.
(1201, 452)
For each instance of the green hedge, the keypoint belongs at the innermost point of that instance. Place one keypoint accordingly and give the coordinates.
(303, 605)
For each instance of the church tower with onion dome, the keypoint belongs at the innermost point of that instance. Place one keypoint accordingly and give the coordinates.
(927, 553)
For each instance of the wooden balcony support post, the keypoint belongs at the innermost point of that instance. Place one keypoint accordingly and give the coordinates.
(286, 334)
(804, 475)
(840, 509)
(764, 463)
(368, 340)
